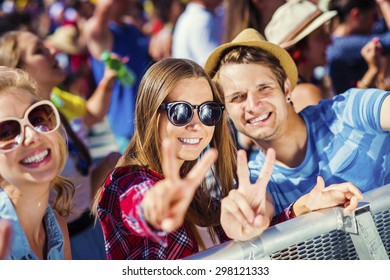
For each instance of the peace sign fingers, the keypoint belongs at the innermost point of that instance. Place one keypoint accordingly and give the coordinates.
(242, 168)
(181, 199)
(169, 162)
(266, 171)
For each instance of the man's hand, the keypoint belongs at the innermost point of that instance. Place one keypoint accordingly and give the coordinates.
(346, 194)
(246, 211)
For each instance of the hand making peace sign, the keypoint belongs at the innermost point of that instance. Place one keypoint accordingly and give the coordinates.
(247, 211)
(165, 205)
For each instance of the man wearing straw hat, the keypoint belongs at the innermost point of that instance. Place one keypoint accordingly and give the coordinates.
(340, 143)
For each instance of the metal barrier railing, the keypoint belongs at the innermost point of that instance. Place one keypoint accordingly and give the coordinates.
(324, 234)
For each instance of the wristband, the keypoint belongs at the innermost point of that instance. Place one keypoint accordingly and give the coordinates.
(289, 211)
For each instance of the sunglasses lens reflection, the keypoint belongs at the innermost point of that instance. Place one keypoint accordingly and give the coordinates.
(42, 118)
(210, 114)
(181, 114)
(9, 134)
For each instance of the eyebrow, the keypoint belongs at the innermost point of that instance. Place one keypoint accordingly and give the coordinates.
(258, 86)
(233, 94)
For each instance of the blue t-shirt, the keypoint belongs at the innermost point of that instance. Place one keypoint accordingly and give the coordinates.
(20, 247)
(345, 144)
(130, 42)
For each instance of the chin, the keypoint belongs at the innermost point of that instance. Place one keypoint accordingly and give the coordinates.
(189, 157)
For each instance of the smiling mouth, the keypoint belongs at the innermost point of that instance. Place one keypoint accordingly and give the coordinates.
(190, 141)
(36, 158)
(259, 119)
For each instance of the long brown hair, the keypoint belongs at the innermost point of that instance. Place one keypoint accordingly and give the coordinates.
(16, 78)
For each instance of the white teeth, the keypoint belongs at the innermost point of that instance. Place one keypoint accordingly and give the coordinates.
(36, 158)
(190, 140)
(258, 119)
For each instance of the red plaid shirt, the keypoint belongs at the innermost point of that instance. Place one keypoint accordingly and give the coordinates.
(127, 235)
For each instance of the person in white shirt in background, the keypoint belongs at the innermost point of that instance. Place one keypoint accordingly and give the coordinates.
(199, 30)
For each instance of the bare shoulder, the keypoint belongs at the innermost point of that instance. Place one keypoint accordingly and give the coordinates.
(306, 94)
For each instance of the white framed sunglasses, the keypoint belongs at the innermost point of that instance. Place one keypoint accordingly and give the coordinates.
(41, 116)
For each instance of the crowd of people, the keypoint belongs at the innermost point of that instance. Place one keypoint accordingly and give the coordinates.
(238, 115)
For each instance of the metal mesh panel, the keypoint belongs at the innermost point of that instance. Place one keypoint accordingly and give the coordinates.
(335, 245)
(382, 222)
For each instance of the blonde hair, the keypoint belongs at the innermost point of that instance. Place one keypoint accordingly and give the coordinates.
(145, 146)
(17, 78)
(10, 52)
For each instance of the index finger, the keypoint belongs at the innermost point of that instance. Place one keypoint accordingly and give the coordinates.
(169, 162)
(345, 187)
(198, 172)
(242, 168)
(266, 171)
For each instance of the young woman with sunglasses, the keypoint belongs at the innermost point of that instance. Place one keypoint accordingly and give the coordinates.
(157, 204)
(25, 50)
(32, 154)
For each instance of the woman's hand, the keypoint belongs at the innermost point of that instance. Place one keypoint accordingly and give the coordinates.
(165, 205)
(371, 52)
(246, 211)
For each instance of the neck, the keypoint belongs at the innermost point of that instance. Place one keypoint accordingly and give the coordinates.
(30, 201)
(45, 90)
(291, 147)
(341, 30)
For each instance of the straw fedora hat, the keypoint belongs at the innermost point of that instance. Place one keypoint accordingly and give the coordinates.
(252, 38)
(65, 38)
(295, 20)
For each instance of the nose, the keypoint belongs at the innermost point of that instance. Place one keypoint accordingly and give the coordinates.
(195, 123)
(251, 102)
(31, 136)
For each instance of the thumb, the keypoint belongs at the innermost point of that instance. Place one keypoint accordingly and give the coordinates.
(320, 186)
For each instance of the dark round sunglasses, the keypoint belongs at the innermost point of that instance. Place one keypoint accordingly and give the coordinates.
(181, 113)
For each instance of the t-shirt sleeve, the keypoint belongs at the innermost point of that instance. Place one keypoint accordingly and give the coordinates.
(360, 108)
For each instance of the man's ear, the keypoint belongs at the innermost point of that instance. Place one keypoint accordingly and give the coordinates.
(287, 90)
(354, 13)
